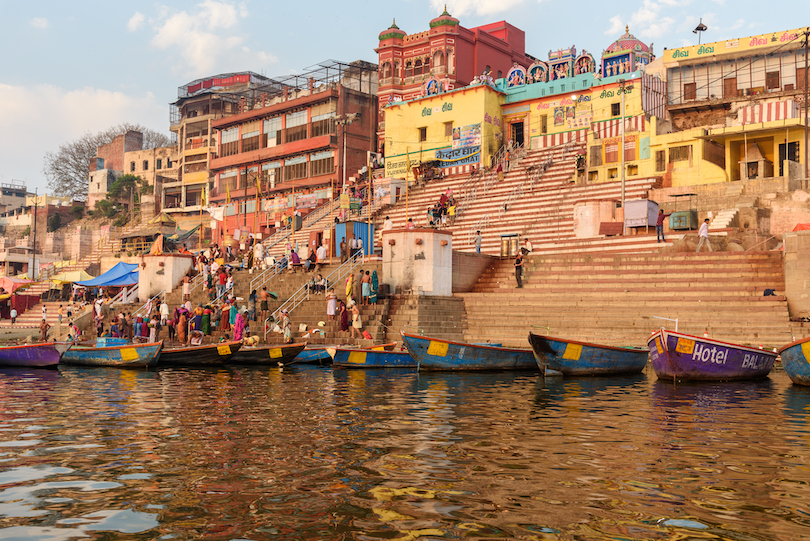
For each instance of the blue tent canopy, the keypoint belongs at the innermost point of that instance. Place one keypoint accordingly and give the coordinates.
(122, 274)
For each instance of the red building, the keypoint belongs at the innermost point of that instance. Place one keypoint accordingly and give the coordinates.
(289, 142)
(447, 56)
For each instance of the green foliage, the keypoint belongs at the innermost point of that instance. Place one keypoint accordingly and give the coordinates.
(27, 231)
(126, 186)
(77, 211)
(54, 222)
(107, 208)
(121, 220)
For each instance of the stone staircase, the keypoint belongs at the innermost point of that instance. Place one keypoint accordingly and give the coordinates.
(615, 299)
(724, 218)
(440, 317)
(541, 211)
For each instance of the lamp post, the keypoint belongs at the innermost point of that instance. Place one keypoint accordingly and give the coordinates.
(700, 29)
(344, 121)
(621, 152)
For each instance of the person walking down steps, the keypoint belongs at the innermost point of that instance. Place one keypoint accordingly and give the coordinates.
(703, 235)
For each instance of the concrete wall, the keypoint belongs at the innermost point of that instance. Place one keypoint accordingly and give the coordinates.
(161, 272)
(418, 260)
(468, 268)
(797, 273)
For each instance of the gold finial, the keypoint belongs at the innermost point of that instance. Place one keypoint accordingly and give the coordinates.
(627, 29)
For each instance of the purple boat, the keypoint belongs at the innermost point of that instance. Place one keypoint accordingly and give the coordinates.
(685, 357)
(42, 355)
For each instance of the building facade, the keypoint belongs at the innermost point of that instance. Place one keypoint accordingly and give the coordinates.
(291, 145)
(109, 164)
(443, 58)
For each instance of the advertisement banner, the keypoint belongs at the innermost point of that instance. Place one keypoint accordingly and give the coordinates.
(307, 201)
(344, 201)
(355, 204)
(460, 156)
(467, 136)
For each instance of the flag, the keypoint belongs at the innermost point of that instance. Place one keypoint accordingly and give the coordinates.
(408, 160)
(203, 198)
(227, 193)
(258, 187)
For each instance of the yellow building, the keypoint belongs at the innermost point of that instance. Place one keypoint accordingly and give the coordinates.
(459, 130)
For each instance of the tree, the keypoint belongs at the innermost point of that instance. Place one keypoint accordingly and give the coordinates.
(127, 188)
(68, 169)
(54, 222)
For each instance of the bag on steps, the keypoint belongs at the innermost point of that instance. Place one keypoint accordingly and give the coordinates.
(367, 335)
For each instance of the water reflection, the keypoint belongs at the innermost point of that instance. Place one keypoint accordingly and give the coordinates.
(261, 453)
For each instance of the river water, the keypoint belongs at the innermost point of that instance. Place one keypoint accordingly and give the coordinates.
(312, 453)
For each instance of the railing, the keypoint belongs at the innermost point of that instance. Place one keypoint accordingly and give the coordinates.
(761, 243)
(125, 296)
(519, 191)
(267, 275)
(142, 309)
(302, 293)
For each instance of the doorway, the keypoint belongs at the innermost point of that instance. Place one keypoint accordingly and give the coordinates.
(517, 133)
(792, 154)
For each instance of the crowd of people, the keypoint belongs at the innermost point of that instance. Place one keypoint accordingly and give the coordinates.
(443, 211)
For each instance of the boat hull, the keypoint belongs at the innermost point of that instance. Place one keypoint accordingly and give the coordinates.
(209, 355)
(267, 354)
(795, 358)
(43, 355)
(128, 356)
(372, 358)
(438, 354)
(685, 357)
(574, 358)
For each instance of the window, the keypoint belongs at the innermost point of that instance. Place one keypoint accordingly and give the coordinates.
(660, 160)
(679, 154)
(322, 163)
(632, 170)
(159, 164)
(322, 124)
(422, 134)
(296, 126)
(772, 80)
(271, 174)
(593, 176)
(228, 181)
(615, 109)
(418, 67)
(250, 141)
(630, 149)
(799, 79)
(146, 165)
(230, 142)
(194, 167)
(448, 129)
(295, 168)
(543, 123)
(132, 166)
(690, 91)
(596, 156)
(613, 173)
(408, 69)
(272, 132)
(168, 163)
(500, 74)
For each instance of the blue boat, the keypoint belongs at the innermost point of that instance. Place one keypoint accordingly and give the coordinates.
(439, 354)
(123, 356)
(312, 355)
(372, 358)
(795, 358)
(574, 358)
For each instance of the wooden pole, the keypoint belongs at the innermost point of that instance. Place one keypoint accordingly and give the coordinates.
(333, 243)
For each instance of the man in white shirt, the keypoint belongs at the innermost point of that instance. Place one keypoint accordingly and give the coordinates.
(360, 246)
(352, 246)
(527, 248)
(164, 313)
(703, 235)
(388, 225)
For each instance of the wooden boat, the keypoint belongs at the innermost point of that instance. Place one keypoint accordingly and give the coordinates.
(278, 354)
(795, 357)
(124, 356)
(321, 354)
(438, 354)
(372, 358)
(574, 358)
(685, 357)
(44, 355)
(207, 355)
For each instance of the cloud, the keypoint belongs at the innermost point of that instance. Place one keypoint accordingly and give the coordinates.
(40, 22)
(135, 22)
(476, 7)
(64, 111)
(616, 26)
(207, 38)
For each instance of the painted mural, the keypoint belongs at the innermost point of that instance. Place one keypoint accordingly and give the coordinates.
(584, 63)
(538, 73)
(561, 63)
(516, 76)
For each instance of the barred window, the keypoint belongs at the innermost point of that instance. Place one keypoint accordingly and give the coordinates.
(295, 168)
(321, 164)
(660, 160)
(596, 156)
(679, 154)
(296, 126)
(272, 132)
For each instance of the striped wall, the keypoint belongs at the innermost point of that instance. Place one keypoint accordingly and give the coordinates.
(767, 112)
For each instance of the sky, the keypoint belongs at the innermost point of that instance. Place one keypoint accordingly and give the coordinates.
(70, 68)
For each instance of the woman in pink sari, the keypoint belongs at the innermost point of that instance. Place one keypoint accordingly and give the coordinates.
(239, 326)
